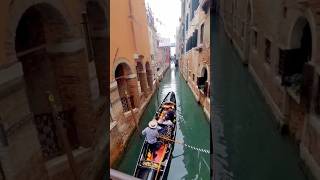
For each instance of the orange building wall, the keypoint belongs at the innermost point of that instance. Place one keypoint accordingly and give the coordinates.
(121, 34)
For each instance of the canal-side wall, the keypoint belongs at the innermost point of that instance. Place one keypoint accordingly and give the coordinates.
(199, 96)
(122, 129)
(259, 36)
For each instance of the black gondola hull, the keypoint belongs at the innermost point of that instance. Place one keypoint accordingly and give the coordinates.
(152, 170)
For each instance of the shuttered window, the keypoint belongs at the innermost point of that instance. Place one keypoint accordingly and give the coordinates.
(268, 51)
(201, 33)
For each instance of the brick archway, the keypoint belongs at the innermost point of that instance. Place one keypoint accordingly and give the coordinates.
(127, 86)
(17, 9)
(53, 59)
(37, 44)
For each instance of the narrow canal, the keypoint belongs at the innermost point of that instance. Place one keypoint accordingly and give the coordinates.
(247, 144)
(193, 129)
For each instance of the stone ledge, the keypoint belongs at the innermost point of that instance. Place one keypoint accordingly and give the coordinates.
(60, 164)
(310, 162)
(8, 88)
(71, 46)
(10, 72)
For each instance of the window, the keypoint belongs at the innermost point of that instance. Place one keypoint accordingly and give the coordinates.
(195, 4)
(242, 29)
(195, 38)
(201, 33)
(192, 41)
(281, 63)
(267, 51)
(284, 12)
(187, 22)
(255, 39)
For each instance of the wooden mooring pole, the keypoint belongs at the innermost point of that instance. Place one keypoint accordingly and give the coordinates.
(61, 133)
(132, 113)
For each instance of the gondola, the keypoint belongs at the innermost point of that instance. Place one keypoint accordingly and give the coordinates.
(157, 168)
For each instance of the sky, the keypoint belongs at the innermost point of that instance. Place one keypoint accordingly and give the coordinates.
(168, 12)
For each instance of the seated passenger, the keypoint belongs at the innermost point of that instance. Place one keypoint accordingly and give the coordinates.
(167, 122)
(170, 115)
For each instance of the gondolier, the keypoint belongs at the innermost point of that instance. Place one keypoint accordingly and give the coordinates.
(152, 135)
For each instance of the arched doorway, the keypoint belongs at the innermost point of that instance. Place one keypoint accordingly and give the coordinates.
(204, 74)
(39, 32)
(297, 75)
(297, 57)
(127, 86)
(202, 81)
(97, 42)
(149, 75)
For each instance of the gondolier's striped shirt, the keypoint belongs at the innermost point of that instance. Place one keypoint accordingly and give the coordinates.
(151, 134)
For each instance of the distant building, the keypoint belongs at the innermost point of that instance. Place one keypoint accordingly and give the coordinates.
(193, 48)
(279, 41)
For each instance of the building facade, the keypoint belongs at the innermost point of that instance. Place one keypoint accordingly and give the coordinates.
(193, 49)
(53, 89)
(131, 75)
(279, 41)
(153, 40)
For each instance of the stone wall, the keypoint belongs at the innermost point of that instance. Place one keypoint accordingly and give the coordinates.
(249, 24)
(61, 65)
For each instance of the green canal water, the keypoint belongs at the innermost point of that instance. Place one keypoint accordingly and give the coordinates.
(193, 129)
(247, 142)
